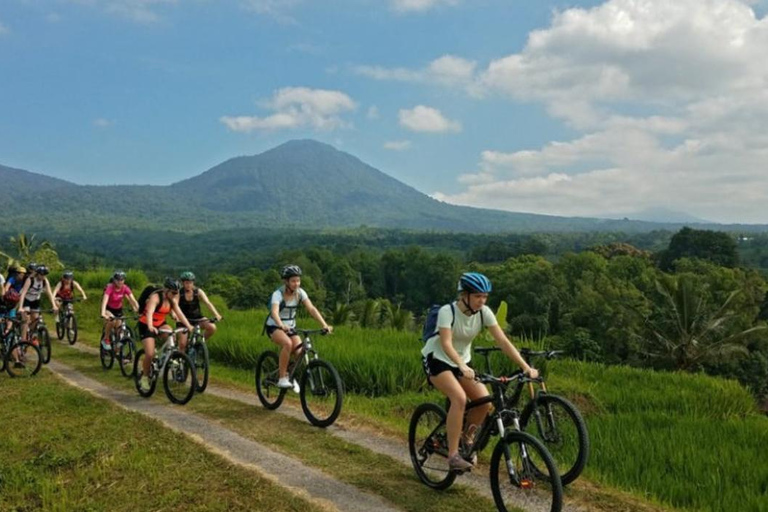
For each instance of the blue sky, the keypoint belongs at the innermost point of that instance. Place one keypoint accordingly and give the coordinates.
(569, 108)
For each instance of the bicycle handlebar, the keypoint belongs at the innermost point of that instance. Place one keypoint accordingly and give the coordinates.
(306, 332)
(485, 378)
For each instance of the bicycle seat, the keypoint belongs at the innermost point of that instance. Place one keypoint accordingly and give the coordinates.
(486, 350)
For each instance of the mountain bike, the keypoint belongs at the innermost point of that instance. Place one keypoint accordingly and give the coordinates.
(197, 350)
(66, 321)
(178, 371)
(522, 470)
(551, 418)
(122, 346)
(20, 358)
(320, 388)
(38, 335)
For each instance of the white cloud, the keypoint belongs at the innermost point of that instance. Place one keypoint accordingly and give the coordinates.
(448, 70)
(398, 145)
(139, 11)
(277, 9)
(669, 101)
(373, 112)
(405, 6)
(297, 107)
(427, 119)
(102, 123)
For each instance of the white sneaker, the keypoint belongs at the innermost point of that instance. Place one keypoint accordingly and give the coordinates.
(296, 387)
(144, 382)
(284, 383)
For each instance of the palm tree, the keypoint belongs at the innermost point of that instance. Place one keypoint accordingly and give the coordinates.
(28, 248)
(687, 331)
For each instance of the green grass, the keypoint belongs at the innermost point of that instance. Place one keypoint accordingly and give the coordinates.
(63, 450)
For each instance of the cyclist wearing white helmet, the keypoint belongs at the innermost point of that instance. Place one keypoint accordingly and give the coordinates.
(447, 353)
(282, 319)
(31, 293)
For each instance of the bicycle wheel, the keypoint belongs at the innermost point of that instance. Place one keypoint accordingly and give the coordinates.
(107, 355)
(44, 339)
(2, 355)
(321, 393)
(138, 372)
(559, 425)
(199, 356)
(179, 378)
(60, 321)
(428, 446)
(71, 328)
(517, 478)
(125, 357)
(23, 360)
(267, 375)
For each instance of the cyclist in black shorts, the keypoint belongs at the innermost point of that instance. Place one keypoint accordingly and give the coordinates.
(189, 303)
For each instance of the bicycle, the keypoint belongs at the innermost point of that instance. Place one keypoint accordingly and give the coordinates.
(178, 371)
(320, 389)
(522, 471)
(197, 350)
(20, 358)
(66, 321)
(122, 346)
(37, 334)
(550, 418)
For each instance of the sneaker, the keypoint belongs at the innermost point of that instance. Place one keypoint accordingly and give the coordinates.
(458, 464)
(18, 364)
(296, 387)
(144, 382)
(106, 344)
(284, 383)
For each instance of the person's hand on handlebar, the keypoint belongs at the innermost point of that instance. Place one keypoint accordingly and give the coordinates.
(467, 372)
(328, 329)
(531, 372)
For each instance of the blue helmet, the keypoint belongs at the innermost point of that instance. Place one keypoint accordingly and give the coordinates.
(474, 282)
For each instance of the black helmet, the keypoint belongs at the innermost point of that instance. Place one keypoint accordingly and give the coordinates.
(119, 275)
(32, 267)
(68, 274)
(290, 271)
(42, 270)
(171, 284)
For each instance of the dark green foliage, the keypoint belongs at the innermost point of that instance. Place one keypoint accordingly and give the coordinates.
(715, 246)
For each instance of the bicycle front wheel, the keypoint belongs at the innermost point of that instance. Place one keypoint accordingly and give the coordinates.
(61, 319)
(71, 327)
(524, 476)
(23, 360)
(126, 356)
(200, 358)
(558, 424)
(321, 393)
(179, 378)
(267, 375)
(428, 446)
(138, 373)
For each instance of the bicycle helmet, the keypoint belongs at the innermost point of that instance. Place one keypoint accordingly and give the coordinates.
(171, 284)
(187, 276)
(290, 271)
(42, 270)
(474, 282)
(119, 275)
(68, 275)
(32, 267)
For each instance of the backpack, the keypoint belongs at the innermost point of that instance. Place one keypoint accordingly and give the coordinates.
(281, 307)
(430, 323)
(145, 293)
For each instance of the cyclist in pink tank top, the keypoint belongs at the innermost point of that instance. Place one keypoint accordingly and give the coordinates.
(112, 303)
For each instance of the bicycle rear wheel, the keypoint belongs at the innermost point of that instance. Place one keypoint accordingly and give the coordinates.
(428, 446)
(321, 393)
(524, 476)
(71, 328)
(267, 375)
(559, 425)
(44, 338)
(23, 360)
(179, 378)
(138, 372)
(199, 357)
(126, 356)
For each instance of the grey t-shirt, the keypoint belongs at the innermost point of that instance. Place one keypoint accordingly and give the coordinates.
(288, 312)
(465, 328)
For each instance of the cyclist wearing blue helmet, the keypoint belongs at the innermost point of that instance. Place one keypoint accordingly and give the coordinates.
(446, 356)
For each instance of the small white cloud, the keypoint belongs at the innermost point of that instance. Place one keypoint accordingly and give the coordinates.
(373, 112)
(276, 9)
(139, 11)
(3, 29)
(296, 107)
(397, 145)
(404, 6)
(102, 123)
(448, 70)
(427, 119)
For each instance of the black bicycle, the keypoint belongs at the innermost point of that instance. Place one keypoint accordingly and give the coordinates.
(66, 321)
(121, 347)
(320, 388)
(522, 472)
(38, 334)
(197, 350)
(175, 366)
(20, 358)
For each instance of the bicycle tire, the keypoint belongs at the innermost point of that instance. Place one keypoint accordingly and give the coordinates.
(71, 328)
(126, 357)
(137, 374)
(559, 441)
(428, 439)
(202, 362)
(107, 356)
(60, 320)
(321, 393)
(30, 357)
(44, 337)
(529, 487)
(267, 376)
(179, 379)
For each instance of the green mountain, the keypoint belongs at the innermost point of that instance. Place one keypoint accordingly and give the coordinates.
(300, 183)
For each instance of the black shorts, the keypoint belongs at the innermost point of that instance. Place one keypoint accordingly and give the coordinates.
(31, 304)
(433, 367)
(144, 331)
(115, 311)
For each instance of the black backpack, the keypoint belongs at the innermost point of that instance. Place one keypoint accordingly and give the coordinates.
(281, 307)
(145, 293)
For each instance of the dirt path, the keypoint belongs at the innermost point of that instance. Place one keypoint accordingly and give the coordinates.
(310, 483)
